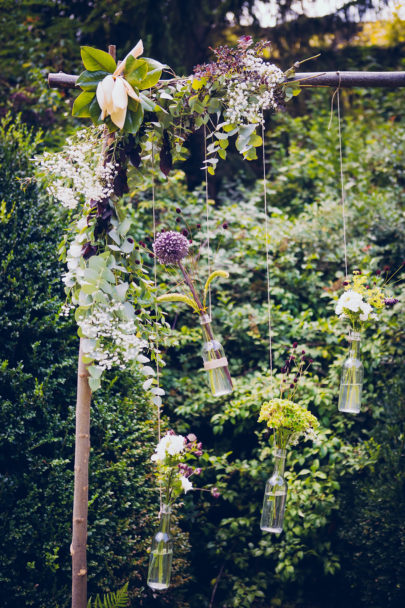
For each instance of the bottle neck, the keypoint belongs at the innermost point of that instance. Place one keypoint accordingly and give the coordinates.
(165, 515)
(354, 338)
(206, 328)
(279, 461)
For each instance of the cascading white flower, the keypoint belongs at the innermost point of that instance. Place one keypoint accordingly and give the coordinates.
(113, 91)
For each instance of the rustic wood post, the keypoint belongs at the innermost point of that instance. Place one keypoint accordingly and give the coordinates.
(78, 548)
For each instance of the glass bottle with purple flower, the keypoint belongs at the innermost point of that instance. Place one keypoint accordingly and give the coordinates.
(170, 249)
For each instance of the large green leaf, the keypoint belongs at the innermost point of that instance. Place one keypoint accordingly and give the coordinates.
(133, 119)
(81, 105)
(149, 105)
(154, 73)
(94, 110)
(88, 81)
(94, 60)
(135, 71)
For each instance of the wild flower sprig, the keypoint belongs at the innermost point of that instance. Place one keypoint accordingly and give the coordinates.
(172, 457)
(361, 302)
(291, 420)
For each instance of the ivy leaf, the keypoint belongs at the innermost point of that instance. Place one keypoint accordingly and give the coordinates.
(154, 73)
(95, 59)
(88, 81)
(81, 104)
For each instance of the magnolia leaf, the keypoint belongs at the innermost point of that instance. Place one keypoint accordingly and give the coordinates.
(95, 59)
(81, 104)
(135, 71)
(88, 81)
(154, 73)
(95, 112)
(133, 120)
(214, 275)
(178, 297)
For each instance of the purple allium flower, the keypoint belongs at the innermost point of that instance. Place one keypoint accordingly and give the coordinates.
(390, 302)
(170, 247)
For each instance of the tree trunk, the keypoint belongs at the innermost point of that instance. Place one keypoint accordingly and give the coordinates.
(81, 487)
(78, 548)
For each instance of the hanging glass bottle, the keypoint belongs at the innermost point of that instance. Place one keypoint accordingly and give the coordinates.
(275, 493)
(215, 361)
(351, 382)
(160, 561)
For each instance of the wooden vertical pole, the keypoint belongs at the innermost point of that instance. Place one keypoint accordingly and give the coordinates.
(78, 548)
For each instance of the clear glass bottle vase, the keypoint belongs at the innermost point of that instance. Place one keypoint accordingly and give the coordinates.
(275, 495)
(351, 382)
(161, 555)
(215, 361)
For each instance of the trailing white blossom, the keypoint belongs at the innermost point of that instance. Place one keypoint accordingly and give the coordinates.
(247, 98)
(76, 174)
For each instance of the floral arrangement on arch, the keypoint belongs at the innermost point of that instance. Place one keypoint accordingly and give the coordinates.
(142, 114)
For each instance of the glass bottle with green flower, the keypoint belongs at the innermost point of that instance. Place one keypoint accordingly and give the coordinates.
(172, 457)
(290, 421)
(171, 248)
(359, 304)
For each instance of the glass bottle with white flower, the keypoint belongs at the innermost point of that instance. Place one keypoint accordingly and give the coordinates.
(290, 421)
(359, 304)
(172, 456)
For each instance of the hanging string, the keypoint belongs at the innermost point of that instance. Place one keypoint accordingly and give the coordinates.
(207, 218)
(342, 183)
(156, 340)
(266, 231)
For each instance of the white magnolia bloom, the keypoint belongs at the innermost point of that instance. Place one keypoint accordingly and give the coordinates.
(185, 484)
(112, 92)
(169, 445)
(350, 300)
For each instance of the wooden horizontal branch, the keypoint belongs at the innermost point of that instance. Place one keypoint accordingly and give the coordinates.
(309, 79)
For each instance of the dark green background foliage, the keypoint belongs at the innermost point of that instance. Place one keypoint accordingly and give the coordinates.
(343, 540)
(339, 520)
